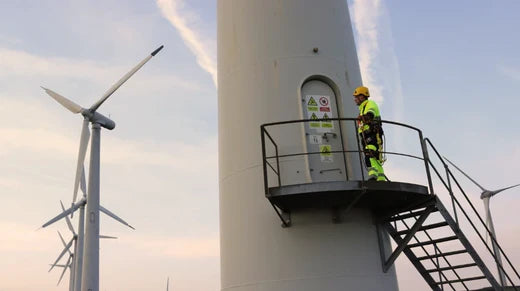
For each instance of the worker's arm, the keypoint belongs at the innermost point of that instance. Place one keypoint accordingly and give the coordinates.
(367, 117)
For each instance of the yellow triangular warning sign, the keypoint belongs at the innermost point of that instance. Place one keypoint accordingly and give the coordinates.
(325, 116)
(325, 149)
(314, 117)
(312, 102)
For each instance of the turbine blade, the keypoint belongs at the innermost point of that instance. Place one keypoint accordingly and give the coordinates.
(73, 208)
(503, 189)
(71, 106)
(83, 184)
(69, 224)
(64, 270)
(467, 176)
(58, 265)
(83, 143)
(62, 253)
(107, 212)
(63, 242)
(112, 89)
(107, 237)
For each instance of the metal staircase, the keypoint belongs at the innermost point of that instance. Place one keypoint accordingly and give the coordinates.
(435, 245)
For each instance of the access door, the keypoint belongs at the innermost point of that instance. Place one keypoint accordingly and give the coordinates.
(324, 142)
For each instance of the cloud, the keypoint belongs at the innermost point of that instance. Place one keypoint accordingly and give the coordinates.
(365, 14)
(171, 10)
(377, 59)
(513, 73)
(22, 67)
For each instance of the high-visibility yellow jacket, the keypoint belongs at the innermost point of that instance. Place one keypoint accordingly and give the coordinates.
(368, 106)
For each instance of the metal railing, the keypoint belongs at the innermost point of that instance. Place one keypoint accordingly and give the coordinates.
(273, 161)
(456, 204)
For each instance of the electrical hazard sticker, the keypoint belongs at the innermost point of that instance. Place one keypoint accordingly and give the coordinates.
(326, 123)
(326, 153)
(314, 124)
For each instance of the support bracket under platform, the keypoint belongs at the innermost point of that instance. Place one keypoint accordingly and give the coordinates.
(404, 242)
(285, 216)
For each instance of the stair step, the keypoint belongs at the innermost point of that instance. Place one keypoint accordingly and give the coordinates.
(446, 254)
(462, 280)
(426, 227)
(408, 215)
(452, 267)
(444, 239)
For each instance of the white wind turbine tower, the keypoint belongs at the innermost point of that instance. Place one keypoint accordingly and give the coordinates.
(90, 274)
(485, 196)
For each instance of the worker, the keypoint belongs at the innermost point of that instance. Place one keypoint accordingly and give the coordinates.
(370, 133)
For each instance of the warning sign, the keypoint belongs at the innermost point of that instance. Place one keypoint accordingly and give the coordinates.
(314, 124)
(326, 123)
(324, 100)
(315, 139)
(321, 111)
(326, 153)
(325, 109)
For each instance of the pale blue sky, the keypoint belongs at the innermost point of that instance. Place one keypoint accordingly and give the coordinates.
(450, 68)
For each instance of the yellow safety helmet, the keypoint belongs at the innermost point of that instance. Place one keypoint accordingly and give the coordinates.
(362, 90)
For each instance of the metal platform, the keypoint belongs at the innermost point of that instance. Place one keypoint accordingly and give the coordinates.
(382, 197)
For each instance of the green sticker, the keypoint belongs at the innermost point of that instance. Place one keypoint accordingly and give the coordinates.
(326, 123)
(312, 102)
(326, 153)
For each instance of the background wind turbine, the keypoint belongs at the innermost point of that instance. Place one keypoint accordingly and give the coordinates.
(486, 196)
(90, 276)
(77, 239)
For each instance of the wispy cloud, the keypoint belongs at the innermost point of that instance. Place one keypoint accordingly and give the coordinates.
(180, 18)
(365, 14)
(377, 59)
(508, 71)
(20, 64)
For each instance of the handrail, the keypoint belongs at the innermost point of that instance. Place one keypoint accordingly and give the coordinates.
(277, 156)
(457, 203)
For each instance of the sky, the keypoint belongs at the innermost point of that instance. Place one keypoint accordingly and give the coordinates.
(450, 68)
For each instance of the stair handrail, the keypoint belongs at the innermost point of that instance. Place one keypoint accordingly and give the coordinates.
(427, 141)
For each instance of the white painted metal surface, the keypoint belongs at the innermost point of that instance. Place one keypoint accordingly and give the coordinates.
(266, 54)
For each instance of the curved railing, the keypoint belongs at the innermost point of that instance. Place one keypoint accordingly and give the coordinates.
(273, 161)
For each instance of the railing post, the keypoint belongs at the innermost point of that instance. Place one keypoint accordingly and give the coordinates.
(426, 160)
(278, 166)
(264, 161)
(361, 156)
(451, 194)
